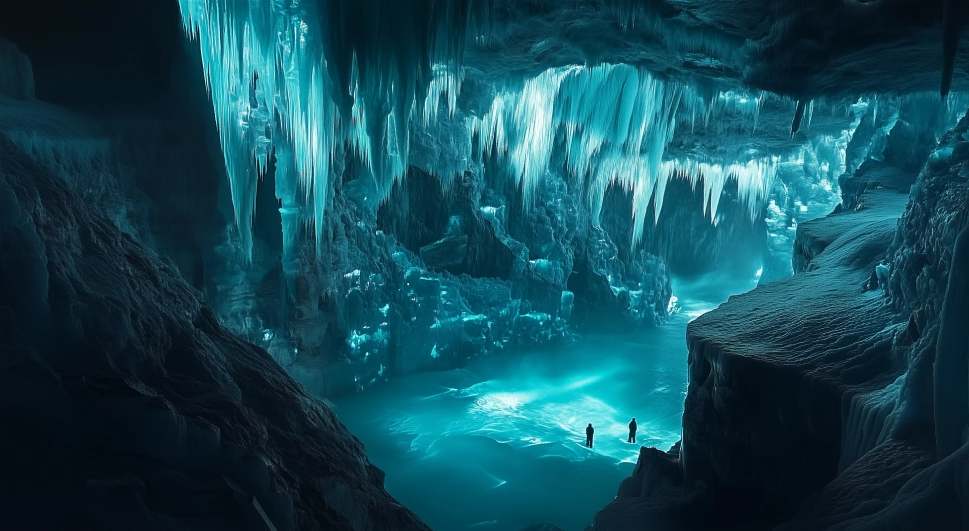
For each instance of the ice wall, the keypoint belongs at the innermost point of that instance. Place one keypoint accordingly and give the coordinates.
(336, 106)
(297, 80)
(281, 86)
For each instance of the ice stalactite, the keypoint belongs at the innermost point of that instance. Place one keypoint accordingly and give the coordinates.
(754, 181)
(953, 15)
(305, 80)
(445, 83)
(798, 116)
(239, 66)
(282, 85)
(272, 89)
(522, 127)
(287, 186)
(614, 121)
(731, 102)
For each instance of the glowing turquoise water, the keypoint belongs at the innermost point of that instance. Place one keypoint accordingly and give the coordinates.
(500, 444)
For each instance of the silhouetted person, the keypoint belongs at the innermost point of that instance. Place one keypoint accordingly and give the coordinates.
(632, 431)
(589, 430)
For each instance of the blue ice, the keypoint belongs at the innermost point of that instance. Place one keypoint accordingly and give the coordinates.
(499, 445)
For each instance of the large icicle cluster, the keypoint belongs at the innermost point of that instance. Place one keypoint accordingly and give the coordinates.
(754, 181)
(279, 86)
(273, 91)
(266, 81)
(614, 123)
(285, 80)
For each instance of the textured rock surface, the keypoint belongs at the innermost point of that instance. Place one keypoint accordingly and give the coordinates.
(770, 372)
(811, 399)
(922, 251)
(128, 405)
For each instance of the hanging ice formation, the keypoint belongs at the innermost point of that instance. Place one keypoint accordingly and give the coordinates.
(614, 123)
(282, 84)
(276, 86)
(275, 91)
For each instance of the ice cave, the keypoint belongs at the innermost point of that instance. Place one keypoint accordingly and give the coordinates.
(484, 265)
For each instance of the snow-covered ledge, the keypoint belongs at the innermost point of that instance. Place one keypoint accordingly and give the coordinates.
(815, 402)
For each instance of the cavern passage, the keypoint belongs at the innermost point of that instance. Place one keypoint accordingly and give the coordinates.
(376, 264)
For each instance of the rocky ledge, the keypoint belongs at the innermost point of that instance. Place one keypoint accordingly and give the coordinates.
(811, 401)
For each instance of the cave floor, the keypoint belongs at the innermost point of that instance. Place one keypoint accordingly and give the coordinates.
(500, 445)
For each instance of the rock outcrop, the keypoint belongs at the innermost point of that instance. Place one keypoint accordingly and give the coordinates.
(812, 402)
(128, 406)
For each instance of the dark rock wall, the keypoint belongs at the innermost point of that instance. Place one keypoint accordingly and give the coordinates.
(921, 254)
(128, 405)
(686, 236)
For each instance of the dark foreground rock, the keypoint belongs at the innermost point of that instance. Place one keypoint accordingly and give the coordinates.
(125, 405)
(812, 402)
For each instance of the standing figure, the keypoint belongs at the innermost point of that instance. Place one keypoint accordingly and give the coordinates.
(589, 430)
(632, 431)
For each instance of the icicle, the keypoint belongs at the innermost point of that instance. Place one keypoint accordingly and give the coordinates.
(445, 83)
(270, 80)
(614, 120)
(798, 116)
(615, 123)
(952, 18)
(754, 181)
(284, 78)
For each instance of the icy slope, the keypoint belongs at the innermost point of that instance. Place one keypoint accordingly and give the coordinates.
(770, 372)
(764, 414)
(812, 398)
(919, 478)
(128, 406)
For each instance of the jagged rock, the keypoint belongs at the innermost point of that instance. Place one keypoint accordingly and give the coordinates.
(416, 212)
(128, 405)
(448, 230)
(753, 362)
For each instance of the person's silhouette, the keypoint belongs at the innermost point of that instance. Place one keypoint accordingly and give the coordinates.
(589, 430)
(632, 431)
